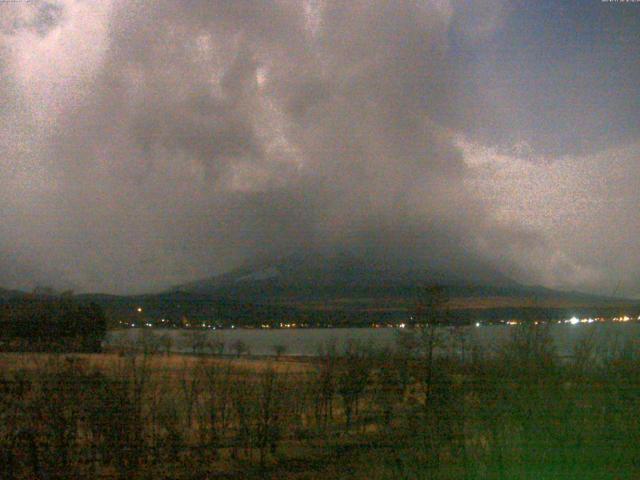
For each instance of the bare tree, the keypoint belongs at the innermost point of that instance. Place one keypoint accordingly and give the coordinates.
(215, 412)
(216, 346)
(190, 388)
(460, 337)
(270, 413)
(243, 402)
(352, 379)
(240, 348)
(148, 342)
(389, 384)
(431, 314)
(166, 340)
(196, 340)
(325, 383)
(279, 350)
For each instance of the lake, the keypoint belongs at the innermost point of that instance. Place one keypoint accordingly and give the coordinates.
(608, 337)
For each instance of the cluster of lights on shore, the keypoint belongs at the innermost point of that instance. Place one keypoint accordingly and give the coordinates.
(571, 321)
(576, 321)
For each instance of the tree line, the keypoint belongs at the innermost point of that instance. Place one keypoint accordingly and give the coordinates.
(50, 324)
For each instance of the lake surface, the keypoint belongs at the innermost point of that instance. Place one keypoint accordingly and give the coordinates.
(607, 337)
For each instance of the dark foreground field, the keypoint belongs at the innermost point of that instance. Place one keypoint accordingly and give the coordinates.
(518, 413)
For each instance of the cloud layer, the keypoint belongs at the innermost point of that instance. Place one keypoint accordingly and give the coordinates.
(144, 144)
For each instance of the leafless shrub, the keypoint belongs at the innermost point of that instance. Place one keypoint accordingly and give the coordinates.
(270, 413)
(214, 411)
(529, 348)
(240, 348)
(325, 385)
(196, 340)
(190, 387)
(243, 405)
(147, 342)
(279, 350)
(166, 342)
(352, 379)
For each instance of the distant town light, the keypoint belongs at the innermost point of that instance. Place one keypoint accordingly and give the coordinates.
(139, 309)
(574, 321)
(477, 324)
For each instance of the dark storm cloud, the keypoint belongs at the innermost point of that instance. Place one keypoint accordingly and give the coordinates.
(189, 137)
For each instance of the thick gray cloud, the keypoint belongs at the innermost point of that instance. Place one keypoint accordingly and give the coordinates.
(146, 144)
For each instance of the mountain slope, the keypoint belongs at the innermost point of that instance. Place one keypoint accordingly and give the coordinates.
(315, 276)
(343, 280)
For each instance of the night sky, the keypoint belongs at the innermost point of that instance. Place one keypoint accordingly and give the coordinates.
(144, 144)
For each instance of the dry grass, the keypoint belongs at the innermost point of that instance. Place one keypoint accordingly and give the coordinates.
(12, 362)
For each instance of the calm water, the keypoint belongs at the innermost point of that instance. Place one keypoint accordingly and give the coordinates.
(608, 337)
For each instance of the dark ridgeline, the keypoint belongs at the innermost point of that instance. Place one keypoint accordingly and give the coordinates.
(46, 323)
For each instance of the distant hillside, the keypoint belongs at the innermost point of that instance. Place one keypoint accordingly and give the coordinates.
(315, 276)
(344, 280)
(342, 289)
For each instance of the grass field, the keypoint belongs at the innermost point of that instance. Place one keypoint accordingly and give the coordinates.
(364, 415)
(108, 362)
